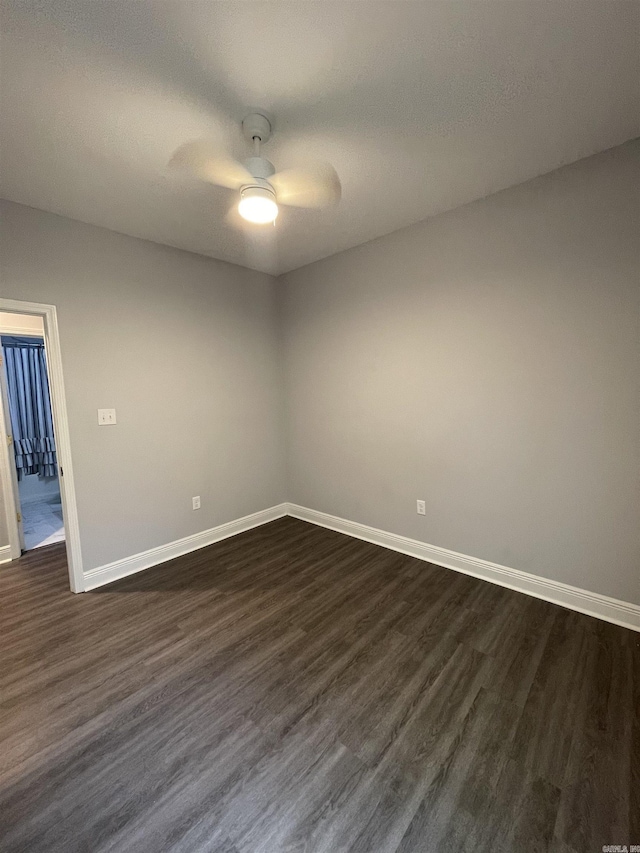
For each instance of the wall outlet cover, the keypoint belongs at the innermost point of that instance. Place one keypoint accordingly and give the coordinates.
(106, 417)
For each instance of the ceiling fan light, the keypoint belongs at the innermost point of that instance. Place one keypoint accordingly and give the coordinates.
(258, 205)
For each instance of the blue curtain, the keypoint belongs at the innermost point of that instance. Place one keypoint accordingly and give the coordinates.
(30, 406)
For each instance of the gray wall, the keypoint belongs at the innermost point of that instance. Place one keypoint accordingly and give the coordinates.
(184, 348)
(488, 361)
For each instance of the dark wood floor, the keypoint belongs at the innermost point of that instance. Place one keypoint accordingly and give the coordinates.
(292, 689)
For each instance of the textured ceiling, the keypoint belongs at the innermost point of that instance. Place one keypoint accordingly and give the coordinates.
(420, 106)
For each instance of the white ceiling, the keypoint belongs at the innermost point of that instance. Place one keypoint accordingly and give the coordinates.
(420, 106)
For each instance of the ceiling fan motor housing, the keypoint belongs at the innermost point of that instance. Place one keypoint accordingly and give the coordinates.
(259, 167)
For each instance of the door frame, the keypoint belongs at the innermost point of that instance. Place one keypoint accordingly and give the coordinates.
(63, 442)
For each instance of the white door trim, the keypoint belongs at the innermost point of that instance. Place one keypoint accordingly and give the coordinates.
(61, 426)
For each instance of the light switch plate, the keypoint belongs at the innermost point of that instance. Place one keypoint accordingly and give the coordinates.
(106, 416)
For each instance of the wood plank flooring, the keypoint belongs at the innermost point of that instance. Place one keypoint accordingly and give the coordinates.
(292, 689)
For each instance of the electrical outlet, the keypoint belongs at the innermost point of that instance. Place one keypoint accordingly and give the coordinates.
(196, 502)
(421, 508)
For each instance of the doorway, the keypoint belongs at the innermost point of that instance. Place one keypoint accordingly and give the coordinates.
(37, 487)
(28, 414)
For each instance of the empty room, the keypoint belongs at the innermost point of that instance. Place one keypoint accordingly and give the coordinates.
(320, 402)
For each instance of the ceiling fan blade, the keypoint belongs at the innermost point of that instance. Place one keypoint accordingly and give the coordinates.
(314, 185)
(208, 163)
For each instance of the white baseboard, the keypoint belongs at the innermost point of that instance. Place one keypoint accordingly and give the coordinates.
(5, 553)
(592, 603)
(145, 560)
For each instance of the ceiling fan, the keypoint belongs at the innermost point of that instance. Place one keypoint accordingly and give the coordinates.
(260, 187)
